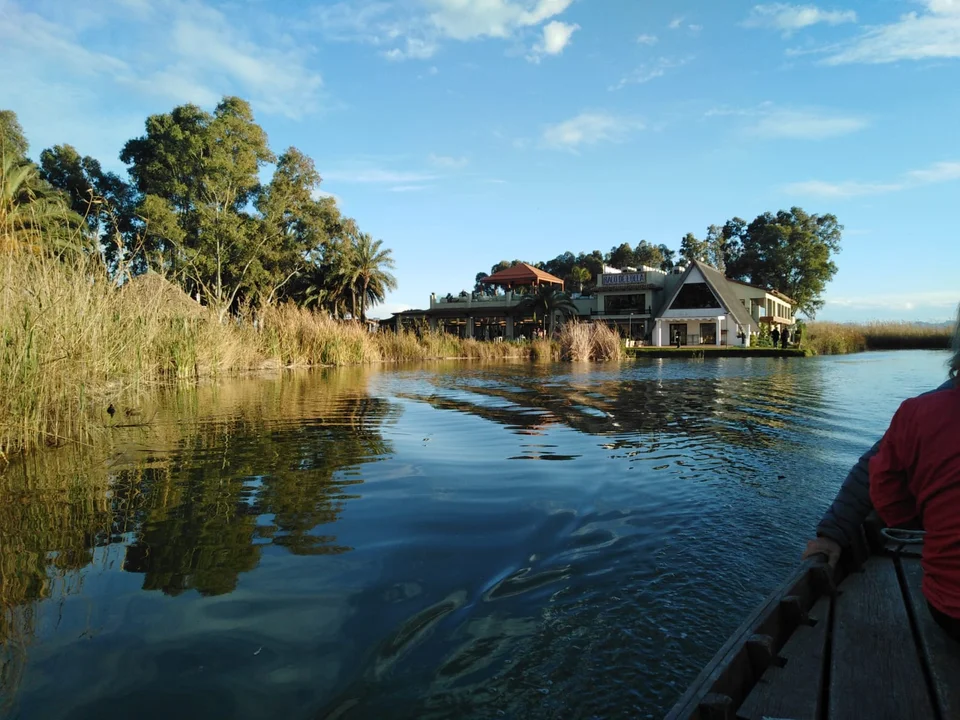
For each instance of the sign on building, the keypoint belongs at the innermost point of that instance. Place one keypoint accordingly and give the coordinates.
(624, 278)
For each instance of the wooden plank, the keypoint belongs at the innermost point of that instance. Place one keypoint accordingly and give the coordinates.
(875, 669)
(942, 653)
(794, 690)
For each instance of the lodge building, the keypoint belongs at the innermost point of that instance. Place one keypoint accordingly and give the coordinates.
(695, 305)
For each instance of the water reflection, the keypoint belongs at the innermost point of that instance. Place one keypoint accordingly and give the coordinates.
(365, 543)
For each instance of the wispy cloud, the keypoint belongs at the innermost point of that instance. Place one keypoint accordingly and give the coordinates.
(589, 128)
(789, 18)
(650, 71)
(932, 300)
(676, 23)
(556, 36)
(378, 175)
(447, 162)
(416, 29)
(937, 173)
(197, 54)
(772, 122)
(646, 39)
(408, 188)
(914, 36)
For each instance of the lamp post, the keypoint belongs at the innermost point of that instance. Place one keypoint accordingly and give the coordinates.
(630, 333)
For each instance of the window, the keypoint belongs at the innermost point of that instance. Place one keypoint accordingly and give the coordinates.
(624, 304)
(693, 296)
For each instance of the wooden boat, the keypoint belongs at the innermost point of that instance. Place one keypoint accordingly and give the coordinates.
(856, 641)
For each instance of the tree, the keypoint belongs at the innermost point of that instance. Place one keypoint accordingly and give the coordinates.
(548, 302)
(715, 253)
(668, 262)
(12, 140)
(790, 252)
(591, 261)
(620, 256)
(580, 275)
(31, 211)
(692, 248)
(366, 269)
(648, 255)
(479, 286)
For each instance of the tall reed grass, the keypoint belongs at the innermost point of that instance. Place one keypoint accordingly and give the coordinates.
(73, 344)
(580, 342)
(827, 338)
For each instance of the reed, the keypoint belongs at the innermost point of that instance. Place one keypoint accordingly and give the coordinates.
(580, 342)
(827, 338)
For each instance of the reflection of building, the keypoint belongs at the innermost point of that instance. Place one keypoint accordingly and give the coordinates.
(696, 303)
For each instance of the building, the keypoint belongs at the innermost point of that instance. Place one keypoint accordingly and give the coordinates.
(696, 304)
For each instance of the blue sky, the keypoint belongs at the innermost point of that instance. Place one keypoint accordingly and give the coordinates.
(464, 132)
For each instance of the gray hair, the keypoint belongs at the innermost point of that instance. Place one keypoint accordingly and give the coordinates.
(955, 360)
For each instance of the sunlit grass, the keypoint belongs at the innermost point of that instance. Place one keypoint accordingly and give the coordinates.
(827, 338)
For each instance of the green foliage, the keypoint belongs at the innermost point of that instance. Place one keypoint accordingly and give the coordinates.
(790, 252)
(31, 211)
(13, 142)
(691, 248)
(546, 303)
(580, 275)
(620, 256)
(763, 338)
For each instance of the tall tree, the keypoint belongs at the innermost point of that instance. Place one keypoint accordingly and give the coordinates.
(12, 140)
(790, 252)
(668, 257)
(367, 270)
(32, 213)
(692, 248)
(648, 255)
(620, 256)
(547, 303)
(580, 275)
(715, 253)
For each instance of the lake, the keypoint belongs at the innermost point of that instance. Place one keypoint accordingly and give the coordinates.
(441, 541)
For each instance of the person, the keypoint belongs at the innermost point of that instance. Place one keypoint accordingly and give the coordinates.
(915, 476)
(775, 336)
(676, 338)
(785, 338)
(841, 522)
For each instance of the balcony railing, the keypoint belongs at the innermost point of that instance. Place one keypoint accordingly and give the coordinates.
(624, 312)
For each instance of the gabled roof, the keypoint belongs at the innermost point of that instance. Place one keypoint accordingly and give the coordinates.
(775, 293)
(720, 286)
(521, 274)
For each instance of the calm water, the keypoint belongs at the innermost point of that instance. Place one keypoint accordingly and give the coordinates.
(446, 541)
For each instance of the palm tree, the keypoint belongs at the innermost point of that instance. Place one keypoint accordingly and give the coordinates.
(29, 206)
(580, 276)
(548, 302)
(365, 269)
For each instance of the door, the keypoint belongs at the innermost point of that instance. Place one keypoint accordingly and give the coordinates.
(678, 328)
(708, 333)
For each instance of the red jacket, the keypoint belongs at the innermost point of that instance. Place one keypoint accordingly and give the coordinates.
(916, 474)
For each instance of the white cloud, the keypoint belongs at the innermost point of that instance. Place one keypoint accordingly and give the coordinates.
(937, 173)
(650, 71)
(646, 39)
(589, 128)
(415, 29)
(790, 18)
(377, 175)
(408, 188)
(195, 54)
(798, 124)
(556, 36)
(914, 36)
(676, 23)
(805, 125)
(934, 299)
(447, 162)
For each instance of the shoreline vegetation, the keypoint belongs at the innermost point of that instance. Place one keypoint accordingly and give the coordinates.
(75, 344)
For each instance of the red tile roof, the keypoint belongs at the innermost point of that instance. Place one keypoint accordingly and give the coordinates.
(521, 274)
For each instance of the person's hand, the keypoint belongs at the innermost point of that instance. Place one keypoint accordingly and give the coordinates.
(828, 547)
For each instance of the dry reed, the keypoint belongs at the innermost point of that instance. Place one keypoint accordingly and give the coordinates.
(827, 338)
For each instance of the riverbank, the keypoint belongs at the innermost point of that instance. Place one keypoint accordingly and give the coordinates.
(827, 338)
(76, 348)
(706, 351)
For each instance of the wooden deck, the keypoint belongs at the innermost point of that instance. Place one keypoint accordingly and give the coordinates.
(864, 648)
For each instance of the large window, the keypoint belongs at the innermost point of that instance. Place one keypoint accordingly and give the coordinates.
(693, 296)
(624, 304)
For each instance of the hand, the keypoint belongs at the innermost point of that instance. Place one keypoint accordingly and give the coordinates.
(828, 547)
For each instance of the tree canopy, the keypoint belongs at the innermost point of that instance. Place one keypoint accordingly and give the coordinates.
(194, 208)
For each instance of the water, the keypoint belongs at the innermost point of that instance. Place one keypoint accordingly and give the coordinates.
(444, 541)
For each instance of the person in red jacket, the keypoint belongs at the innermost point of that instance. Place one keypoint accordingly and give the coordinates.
(916, 476)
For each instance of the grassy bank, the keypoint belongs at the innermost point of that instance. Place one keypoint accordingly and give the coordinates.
(72, 343)
(713, 351)
(825, 338)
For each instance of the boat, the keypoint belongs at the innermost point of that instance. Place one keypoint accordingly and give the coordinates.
(837, 643)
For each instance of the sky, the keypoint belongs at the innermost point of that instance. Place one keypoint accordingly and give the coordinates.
(465, 132)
